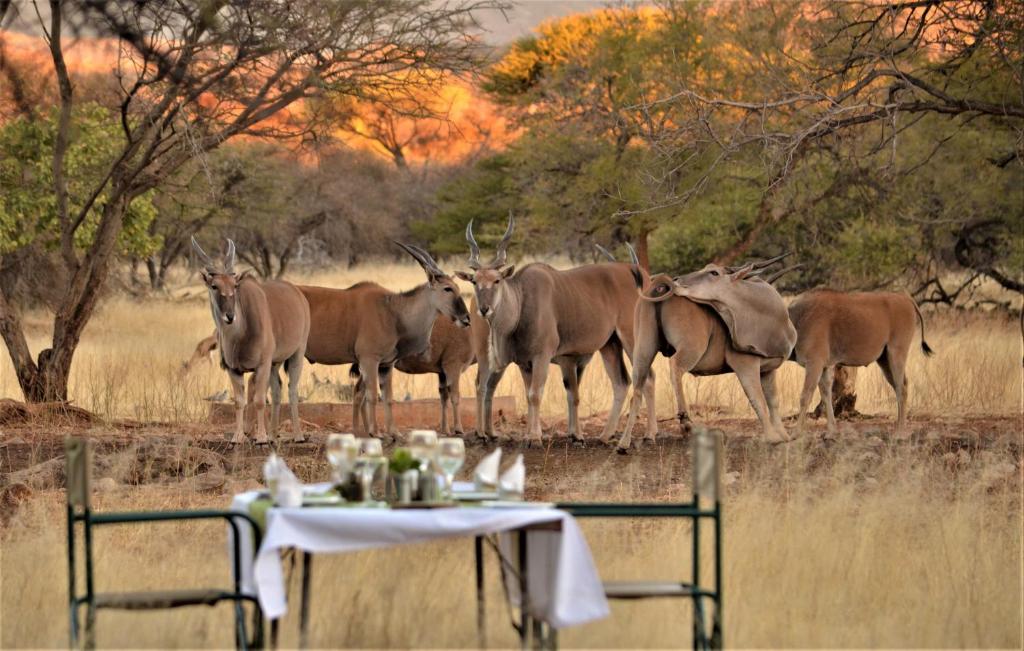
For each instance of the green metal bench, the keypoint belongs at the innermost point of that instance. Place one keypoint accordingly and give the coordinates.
(79, 467)
(705, 505)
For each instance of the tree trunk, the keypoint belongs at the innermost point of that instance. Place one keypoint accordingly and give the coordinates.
(844, 400)
(46, 379)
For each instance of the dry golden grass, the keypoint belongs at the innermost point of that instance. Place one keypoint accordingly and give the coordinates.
(847, 547)
(128, 364)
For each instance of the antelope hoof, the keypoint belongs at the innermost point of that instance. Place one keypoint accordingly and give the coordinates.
(534, 441)
(775, 437)
(577, 440)
(622, 449)
(298, 438)
(901, 435)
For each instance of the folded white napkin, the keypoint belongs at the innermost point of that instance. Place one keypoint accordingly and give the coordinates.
(486, 474)
(513, 480)
(285, 487)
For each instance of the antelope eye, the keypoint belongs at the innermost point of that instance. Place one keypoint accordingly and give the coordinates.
(713, 272)
(448, 289)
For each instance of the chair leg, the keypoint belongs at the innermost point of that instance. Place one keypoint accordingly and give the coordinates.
(307, 568)
(481, 606)
(241, 642)
(90, 627)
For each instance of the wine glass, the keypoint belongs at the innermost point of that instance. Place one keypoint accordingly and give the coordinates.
(451, 454)
(370, 459)
(422, 446)
(340, 451)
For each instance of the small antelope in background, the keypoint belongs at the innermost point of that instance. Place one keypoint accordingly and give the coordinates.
(260, 327)
(203, 350)
(854, 329)
(539, 316)
(372, 327)
(714, 321)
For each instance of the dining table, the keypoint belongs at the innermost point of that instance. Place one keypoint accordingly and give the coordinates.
(547, 569)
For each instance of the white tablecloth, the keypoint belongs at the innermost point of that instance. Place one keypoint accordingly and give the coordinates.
(565, 589)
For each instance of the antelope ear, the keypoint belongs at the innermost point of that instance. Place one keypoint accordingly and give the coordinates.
(464, 275)
(248, 273)
(508, 271)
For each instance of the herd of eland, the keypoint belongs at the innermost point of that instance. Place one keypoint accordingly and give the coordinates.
(713, 321)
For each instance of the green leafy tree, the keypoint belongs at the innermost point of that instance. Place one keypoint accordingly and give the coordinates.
(28, 207)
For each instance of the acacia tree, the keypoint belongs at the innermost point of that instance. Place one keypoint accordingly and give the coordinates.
(193, 75)
(847, 77)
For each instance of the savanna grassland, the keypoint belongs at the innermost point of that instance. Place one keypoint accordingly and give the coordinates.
(860, 542)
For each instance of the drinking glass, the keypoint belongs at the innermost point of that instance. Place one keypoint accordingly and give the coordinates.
(340, 449)
(451, 454)
(423, 446)
(370, 459)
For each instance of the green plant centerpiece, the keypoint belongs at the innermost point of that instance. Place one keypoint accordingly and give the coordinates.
(401, 460)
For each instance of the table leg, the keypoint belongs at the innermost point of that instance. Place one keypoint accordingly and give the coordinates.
(307, 566)
(274, 629)
(481, 606)
(524, 594)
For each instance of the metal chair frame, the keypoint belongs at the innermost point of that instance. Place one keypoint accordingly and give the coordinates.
(79, 511)
(707, 484)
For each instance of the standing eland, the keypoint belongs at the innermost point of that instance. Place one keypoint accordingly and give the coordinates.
(372, 328)
(539, 316)
(854, 329)
(711, 322)
(260, 327)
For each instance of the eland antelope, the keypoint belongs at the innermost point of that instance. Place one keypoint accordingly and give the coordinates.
(854, 329)
(538, 316)
(714, 321)
(372, 328)
(260, 327)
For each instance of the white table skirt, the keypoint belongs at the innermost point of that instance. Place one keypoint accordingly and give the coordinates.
(565, 588)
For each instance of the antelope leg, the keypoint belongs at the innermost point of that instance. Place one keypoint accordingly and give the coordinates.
(238, 393)
(825, 390)
(444, 393)
(493, 378)
(258, 398)
(812, 375)
(294, 369)
(388, 395)
(772, 398)
(615, 367)
(368, 368)
(748, 371)
(275, 400)
(538, 380)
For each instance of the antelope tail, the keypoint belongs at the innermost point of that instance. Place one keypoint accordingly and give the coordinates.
(924, 344)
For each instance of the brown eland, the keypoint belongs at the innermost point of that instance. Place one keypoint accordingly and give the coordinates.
(854, 329)
(539, 316)
(711, 322)
(372, 327)
(261, 326)
(448, 355)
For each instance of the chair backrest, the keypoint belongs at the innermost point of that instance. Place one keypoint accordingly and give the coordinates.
(707, 463)
(79, 468)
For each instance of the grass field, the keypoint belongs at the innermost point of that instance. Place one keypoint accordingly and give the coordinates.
(859, 543)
